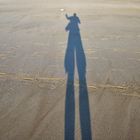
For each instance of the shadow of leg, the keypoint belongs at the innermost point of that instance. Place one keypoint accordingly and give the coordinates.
(70, 111)
(84, 111)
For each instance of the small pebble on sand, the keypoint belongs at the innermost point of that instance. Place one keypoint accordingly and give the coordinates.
(62, 9)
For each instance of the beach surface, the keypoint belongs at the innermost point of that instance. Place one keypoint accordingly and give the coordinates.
(34, 94)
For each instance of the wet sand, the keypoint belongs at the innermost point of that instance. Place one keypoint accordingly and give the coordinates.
(33, 81)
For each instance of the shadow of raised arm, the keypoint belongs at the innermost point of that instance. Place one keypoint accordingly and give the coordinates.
(67, 17)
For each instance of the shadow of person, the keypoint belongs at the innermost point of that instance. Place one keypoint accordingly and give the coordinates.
(75, 55)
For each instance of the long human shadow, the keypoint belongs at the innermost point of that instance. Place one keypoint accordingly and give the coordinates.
(75, 56)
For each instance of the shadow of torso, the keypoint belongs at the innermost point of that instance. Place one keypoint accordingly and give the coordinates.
(74, 50)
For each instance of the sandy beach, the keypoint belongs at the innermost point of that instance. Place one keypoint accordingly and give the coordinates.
(37, 99)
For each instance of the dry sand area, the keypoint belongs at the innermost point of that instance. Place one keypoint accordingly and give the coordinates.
(36, 103)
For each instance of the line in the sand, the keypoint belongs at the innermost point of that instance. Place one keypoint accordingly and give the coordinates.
(25, 77)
